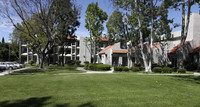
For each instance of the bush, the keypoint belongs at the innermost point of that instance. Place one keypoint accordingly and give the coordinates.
(121, 68)
(137, 65)
(190, 66)
(70, 62)
(154, 65)
(97, 67)
(174, 69)
(167, 70)
(181, 70)
(77, 62)
(86, 66)
(169, 65)
(135, 69)
(157, 69)
(86, 62)
(125, 69)
(31, 62)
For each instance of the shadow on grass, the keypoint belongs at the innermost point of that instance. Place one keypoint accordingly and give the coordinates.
(31, 102)
(38, 102)
(195, 79)
(89, 104)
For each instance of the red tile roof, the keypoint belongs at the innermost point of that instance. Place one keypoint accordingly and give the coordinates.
(177, 47)
(103, 51)
(71, 37)
(104, 38)
(196, 49)
(156, 45)
(119, 51)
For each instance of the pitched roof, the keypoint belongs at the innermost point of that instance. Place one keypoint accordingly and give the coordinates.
(177, 47)
(156, 45)
(103, 51)
(196, 49)
(119, 51)
(104, 38)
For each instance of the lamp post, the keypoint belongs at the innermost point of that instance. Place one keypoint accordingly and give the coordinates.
(9, 42)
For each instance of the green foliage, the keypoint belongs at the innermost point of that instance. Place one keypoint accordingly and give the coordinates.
(3, 41)
(157, 69)
(77, 62)
(31, 62)
(181, 70)
(121, 68)
(167, 70)
(135, 69)
(190, 66)
(97, 67)
(137, 65)
(115, 26)
(86, 62)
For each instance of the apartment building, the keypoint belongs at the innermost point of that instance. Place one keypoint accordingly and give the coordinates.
(166, 52)
(79, 49)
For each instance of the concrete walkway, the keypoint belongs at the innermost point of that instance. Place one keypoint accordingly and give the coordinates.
(95, 72)
(6, 72)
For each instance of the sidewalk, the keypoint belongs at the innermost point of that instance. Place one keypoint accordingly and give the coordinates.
(95, 72)
(8, 71)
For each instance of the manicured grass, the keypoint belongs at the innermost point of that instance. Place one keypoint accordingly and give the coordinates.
(54, 69)
(101, 90)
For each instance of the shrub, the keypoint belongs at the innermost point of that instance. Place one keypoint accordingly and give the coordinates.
(121, 68)
(137, 65)
(118, 68)
(77, 62)
(97, 67)
(169, 65)
(167, 70)
(174, 69)
(154, 65)
(190, 66)
(157, 69)
(86, 66)
(135, 69)
(125, 69)
(31, 62)
(70, 62)
(102, 67)
(86, 62)
(181, 70)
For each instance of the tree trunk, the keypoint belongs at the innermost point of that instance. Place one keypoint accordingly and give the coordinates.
(184, 31)
(141, 38)
(63, 56)
(151, 40)
(42, 56)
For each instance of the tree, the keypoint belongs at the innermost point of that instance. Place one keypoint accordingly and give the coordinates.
(115, 26)
(145, 15)
(38, 23)
(3, 41)
(95, 17)
(66, 15)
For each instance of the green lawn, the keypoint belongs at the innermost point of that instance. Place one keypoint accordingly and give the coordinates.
(101, 90)
(54, 69)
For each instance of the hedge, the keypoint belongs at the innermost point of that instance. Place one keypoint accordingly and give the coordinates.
(181, 70)
(157, 69)
(97, 67)
(167, 70)
(121, 68)
(135, 69)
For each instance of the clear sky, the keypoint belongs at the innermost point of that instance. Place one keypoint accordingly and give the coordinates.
(106, 5)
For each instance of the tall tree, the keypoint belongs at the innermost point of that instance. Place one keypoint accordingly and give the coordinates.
(145, 15)
(38, 23)
(95, 17)
(66, 15)
(3, 41)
